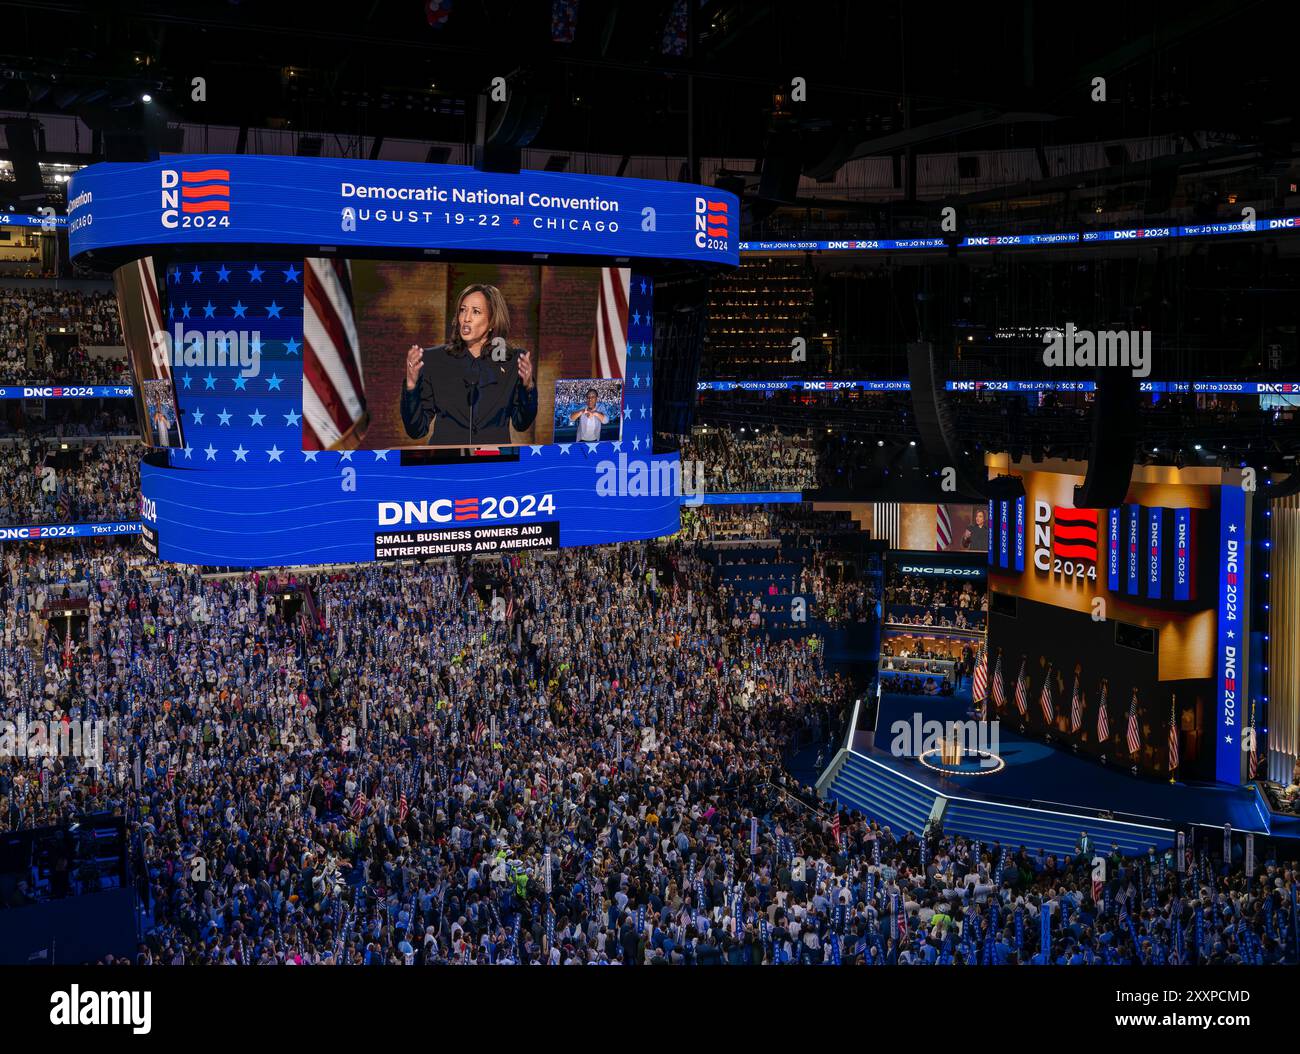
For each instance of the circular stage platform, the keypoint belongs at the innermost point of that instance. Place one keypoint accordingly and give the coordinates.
(971, 763)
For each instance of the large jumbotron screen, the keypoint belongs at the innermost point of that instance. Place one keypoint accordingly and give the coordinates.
(356, 360)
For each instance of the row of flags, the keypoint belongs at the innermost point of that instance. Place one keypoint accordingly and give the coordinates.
(1132, 732)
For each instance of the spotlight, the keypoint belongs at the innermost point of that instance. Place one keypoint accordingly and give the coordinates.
(146, 97)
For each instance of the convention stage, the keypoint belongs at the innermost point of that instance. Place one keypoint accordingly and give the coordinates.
(1042, 797)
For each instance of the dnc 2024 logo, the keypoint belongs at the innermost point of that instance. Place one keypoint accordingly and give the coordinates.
(195, 198)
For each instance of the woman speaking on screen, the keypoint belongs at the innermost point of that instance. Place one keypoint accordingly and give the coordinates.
(474, 387)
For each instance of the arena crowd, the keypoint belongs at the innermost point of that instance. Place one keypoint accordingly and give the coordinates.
(563, 758)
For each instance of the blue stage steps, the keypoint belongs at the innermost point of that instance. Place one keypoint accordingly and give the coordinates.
(889, 797)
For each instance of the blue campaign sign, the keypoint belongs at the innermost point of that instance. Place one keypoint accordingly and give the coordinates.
(67, 391)
(1231, 647)
(40, 532)
(213, 199)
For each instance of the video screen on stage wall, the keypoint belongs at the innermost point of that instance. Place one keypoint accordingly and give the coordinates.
(417, 355)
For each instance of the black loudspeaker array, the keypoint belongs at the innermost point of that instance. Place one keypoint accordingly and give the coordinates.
(938, 434)
(1114, 441)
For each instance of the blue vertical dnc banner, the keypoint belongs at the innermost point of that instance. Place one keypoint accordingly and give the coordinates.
(1183, 554)
(1133, 580)
(1003, 532)
(1231, 648)
(208, 199)
(1155, 551)
(992, 534)
(1114, 518)
(1020, 534)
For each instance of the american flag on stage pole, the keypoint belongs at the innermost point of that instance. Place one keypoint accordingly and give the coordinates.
(942, 527)
(1103, 720)
(609, 344)
(333, 392)
(1253, 759)
(1076, 705)
(1021, 704)
(999, 695)
(1173, 736)
(980, 685)
(1045, 699)
(1134, 738)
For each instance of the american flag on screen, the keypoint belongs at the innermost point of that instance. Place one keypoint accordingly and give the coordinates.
(942, 527)
(1103, 721)
(1045, 700)
(333, 392)
(153, 317)
(609, 345)
(999, 695)
(1134, 738)
(1021, 704)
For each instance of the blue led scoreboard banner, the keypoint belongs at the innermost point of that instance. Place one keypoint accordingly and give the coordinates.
(67, 391)
(1278, 225)
(1018, 387)
(340, 204)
